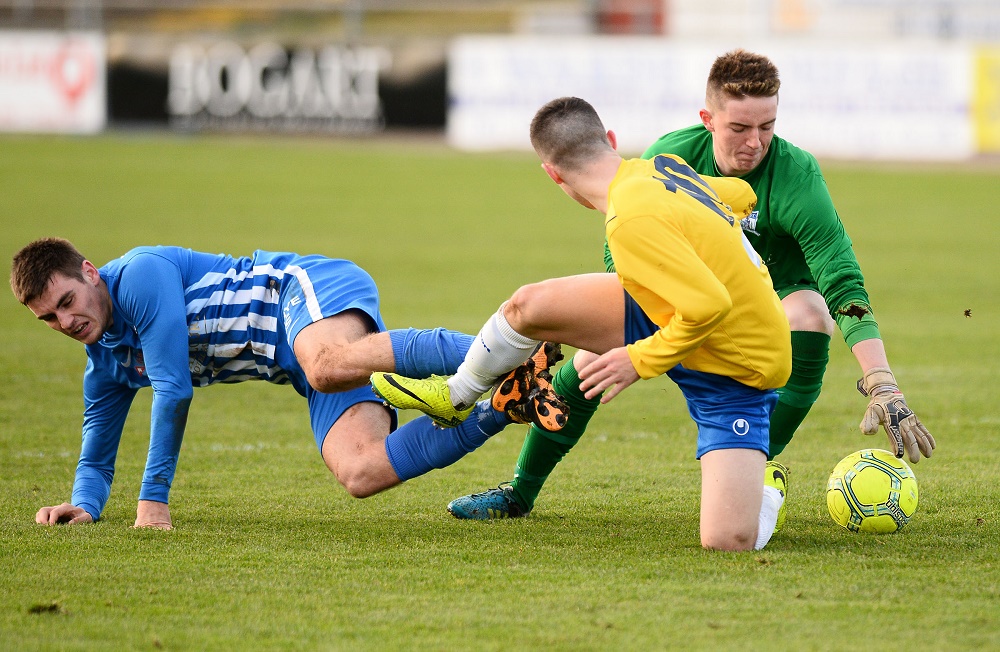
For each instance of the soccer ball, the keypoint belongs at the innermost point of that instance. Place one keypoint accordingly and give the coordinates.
(872, 491)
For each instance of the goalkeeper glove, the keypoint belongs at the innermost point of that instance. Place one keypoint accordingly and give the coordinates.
(888, 408)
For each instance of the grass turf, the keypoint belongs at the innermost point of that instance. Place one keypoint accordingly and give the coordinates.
(270, 553)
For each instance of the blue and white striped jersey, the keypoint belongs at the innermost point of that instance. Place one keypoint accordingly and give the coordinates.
(184, 319)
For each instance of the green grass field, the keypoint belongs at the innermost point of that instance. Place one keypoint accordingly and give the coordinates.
(269, 552)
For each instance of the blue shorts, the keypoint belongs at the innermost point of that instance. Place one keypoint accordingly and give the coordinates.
(729, 414)
(319, 288)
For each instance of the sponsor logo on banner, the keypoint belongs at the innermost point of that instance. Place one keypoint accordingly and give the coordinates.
(72, 71)
(267, 87)
(52, 82)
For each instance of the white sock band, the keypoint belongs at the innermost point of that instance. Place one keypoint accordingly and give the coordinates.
(496, 350)
(768, 518)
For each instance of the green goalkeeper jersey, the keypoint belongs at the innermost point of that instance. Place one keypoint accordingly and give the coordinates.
(794, 227)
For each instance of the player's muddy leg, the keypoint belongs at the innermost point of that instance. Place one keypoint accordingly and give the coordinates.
(340, 353)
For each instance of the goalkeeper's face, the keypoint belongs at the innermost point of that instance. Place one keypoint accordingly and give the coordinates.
(80, 309)
(742, 130)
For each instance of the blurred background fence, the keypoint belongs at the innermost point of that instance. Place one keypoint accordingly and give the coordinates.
(883, 79)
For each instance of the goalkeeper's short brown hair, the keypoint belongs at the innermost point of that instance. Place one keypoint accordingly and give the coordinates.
(34, 266)
(739, 74)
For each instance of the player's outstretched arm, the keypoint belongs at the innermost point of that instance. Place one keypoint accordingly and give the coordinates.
(65, 513)
(888, 408)
(153, 514)
(886, 405)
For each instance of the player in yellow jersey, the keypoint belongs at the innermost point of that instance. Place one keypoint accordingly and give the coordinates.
(797, 231)
(698, 305)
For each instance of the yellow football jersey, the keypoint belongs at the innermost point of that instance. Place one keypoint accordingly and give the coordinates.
(680, 253)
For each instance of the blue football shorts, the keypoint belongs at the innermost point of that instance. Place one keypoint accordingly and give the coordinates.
(728, 413)
(315, 289)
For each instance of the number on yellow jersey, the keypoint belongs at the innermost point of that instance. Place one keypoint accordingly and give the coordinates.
(678, 176)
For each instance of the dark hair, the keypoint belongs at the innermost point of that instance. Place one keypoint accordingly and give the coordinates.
(34, 265)
(739, 74)
(567, 131)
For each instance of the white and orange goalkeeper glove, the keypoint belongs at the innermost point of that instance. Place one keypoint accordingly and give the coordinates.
(888, 408)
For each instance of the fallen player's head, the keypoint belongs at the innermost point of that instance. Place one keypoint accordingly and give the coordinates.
(62, 288)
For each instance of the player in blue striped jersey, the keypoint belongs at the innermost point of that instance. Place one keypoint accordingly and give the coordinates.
(173, 319)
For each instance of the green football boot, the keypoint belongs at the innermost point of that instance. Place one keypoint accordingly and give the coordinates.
(429, 395)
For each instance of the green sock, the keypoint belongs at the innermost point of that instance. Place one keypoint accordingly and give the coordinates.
(543, 450)
(810, 355)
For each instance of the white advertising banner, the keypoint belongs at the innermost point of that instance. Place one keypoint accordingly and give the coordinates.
(641, 87)
(907, 101)
(221, 85)
(52, 82)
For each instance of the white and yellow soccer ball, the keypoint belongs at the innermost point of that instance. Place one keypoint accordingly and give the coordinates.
(872, 491)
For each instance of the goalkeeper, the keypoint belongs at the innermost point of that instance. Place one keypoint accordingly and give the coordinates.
(796, 230)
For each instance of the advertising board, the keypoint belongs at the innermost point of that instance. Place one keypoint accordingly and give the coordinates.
(52, 82)
(905, 101)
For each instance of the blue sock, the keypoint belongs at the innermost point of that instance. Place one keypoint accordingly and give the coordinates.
(421, 353)
(419, 446)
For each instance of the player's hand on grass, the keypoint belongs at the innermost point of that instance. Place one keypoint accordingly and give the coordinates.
(152, 514)
(612, 371)
(65, 513)
(888, 408)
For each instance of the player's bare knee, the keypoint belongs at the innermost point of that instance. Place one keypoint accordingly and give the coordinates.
(357, 485)
(358, 470)
(807, 311)
(814, 322)
(731, 541)
(354, 450)
(356, 478)
(583, 358)
(525, 307)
